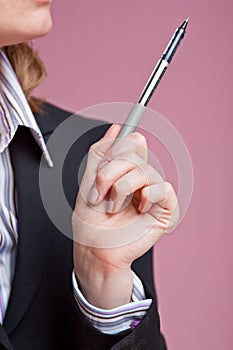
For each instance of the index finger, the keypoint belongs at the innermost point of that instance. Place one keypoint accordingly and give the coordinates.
(135, 143)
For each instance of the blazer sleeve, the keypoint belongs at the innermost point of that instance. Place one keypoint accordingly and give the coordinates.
(146, 336)
(80, 333)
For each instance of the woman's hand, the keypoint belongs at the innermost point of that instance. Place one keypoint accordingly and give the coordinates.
(123, 208)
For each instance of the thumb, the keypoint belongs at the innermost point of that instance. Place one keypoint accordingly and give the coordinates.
(98, 150)
(107, 140)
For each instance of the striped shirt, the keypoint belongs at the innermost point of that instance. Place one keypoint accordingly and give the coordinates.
(15, 111)
(119, 319)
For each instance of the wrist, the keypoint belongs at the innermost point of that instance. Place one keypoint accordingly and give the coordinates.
(106, 289)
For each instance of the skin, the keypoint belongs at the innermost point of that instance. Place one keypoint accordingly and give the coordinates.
(105, 274)
(22, 20)
(114, 172)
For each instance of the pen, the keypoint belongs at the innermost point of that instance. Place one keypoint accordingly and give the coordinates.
(139, 107)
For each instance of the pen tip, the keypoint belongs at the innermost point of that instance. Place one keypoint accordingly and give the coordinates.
(184, 24)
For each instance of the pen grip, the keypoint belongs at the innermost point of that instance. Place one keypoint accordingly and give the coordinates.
(132, 120)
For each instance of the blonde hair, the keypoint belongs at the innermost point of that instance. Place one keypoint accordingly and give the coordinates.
(29, 70)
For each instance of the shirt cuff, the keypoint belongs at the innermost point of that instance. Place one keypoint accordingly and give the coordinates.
(115, 320)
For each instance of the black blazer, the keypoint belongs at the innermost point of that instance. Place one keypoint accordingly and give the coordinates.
(42, 313)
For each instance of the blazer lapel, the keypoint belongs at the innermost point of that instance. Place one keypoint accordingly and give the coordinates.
(4, 340)
(35, 229)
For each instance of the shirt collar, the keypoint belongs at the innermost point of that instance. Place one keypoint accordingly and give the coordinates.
(15, 110)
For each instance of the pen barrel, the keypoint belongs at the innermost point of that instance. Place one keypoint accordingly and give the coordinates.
(139, 108)
(132, 120)
(153, 82)
(173, 44)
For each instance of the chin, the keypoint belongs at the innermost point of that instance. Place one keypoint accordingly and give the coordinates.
(41, 27)
(31, 24)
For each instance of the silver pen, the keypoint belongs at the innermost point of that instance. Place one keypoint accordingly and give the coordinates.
(139, 107)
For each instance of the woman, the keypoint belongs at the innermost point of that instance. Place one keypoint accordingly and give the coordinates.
(104, 305)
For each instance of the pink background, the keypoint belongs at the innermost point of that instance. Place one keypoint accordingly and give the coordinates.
(103, 51)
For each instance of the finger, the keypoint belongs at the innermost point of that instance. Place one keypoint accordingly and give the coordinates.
(132, 182)
(111, 133)
(161, 201)
(151, 195)
(161, 193)
(134, 142)
(98, 149)
(110, 172)
(95, 154)
(122, 168)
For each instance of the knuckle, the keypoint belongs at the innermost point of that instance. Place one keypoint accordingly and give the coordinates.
(146, 171)
(145, 193)
(169, 195)
(96, 148)
(143, 174)
(102, 178)
(117, 188)
(174, 218)
(169, 190)
(116, 192)
(146, 168)
(121, 188)
(125, 155)
(131, 157)
(176, 213)
(137, 136)
(93, 147)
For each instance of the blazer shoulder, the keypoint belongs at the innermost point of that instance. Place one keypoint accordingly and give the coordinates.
(52, 116)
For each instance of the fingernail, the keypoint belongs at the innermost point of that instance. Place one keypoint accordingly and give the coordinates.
(110, 206)
(146, 207)
(93, 195)
(102, 165)
(140, 206)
